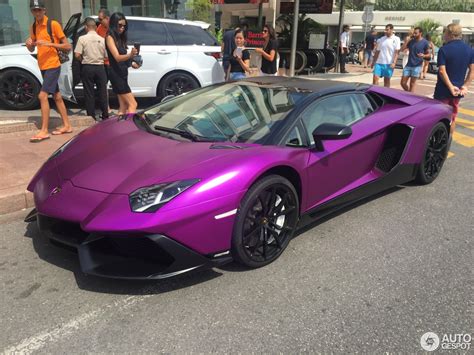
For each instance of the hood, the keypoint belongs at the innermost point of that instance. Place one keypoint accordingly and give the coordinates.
(15, 49)
(117, 157)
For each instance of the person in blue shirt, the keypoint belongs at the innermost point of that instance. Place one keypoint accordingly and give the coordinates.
(418, 50)
(455, 58)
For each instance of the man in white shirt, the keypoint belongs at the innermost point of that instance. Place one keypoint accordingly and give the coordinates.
(386, 55)
(344, 48)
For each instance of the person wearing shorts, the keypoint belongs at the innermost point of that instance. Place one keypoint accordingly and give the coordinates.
(455, 58)
(386, 55)
(418, 50)
(50, 66)
(369, 45)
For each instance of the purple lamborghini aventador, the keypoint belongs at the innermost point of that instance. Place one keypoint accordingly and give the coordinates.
(231, 171)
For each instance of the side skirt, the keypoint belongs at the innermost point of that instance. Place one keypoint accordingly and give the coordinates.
(399, 175)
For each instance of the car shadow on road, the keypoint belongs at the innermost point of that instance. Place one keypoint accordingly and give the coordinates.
(68, 259)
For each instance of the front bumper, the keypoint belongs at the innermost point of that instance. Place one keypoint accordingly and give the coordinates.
(140, 256)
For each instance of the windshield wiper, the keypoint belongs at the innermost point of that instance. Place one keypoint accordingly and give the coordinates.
(182, 133)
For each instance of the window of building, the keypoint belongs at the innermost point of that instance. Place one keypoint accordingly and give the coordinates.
(15, 21)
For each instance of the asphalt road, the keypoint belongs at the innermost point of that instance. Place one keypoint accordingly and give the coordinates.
(373, 278)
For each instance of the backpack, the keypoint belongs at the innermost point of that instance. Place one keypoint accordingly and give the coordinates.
(63, 56)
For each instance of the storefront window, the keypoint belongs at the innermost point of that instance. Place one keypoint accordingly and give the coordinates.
(14, 21)
(149, 8)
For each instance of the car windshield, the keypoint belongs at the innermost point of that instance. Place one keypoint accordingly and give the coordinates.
(236, 112)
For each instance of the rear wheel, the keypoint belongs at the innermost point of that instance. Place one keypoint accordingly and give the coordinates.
(434, 155)
(266, 222)
(19, 90)
(176, 84)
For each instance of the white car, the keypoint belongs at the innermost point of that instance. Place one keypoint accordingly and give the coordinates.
(178, 56)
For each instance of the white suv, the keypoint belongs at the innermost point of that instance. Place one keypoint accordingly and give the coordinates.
(178, 56)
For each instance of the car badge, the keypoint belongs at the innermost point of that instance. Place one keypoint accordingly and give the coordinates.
(55, 191)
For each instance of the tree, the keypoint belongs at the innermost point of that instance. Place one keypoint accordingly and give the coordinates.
(201, 10)
(430, 27)
(306, 26)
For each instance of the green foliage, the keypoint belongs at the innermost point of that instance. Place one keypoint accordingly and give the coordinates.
(219, 35)
(430, 27)
(306, 26)
(201, 10)
(413, 5)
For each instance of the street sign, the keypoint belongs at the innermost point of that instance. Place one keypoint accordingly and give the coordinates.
(368, 14)
(308, 7)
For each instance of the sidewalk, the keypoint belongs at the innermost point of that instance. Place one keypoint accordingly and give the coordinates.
(20, 159)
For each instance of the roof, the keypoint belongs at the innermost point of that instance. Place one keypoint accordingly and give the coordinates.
(301, 84)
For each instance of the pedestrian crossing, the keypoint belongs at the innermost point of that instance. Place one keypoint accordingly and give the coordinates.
(464, 125)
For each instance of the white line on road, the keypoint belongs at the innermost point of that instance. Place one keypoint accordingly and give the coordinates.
(38, 341)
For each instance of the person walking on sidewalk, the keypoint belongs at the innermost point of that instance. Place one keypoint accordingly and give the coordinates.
(344, 48)
(386, 55)
(426, 61)
(418, 50)
(90, 50)
(269, 51)
(120, 61)
(50, 66)
(455, 58)
(240, 60)
(369, 45)
(227, 49)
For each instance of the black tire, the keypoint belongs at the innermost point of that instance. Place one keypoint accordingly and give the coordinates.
(266, 221)
(434, 154)
(177, 83)
(19, 90)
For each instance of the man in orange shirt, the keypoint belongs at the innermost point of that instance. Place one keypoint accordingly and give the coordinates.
(50, 66)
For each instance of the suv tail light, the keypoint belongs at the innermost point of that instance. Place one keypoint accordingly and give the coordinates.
(216, 55)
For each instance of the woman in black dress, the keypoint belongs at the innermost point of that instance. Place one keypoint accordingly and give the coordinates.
(120, 61)
(269, 51)
(240, 60)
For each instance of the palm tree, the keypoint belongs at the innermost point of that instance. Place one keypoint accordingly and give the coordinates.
(306, 26)
(430, 27)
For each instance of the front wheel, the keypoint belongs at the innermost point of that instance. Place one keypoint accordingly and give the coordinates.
(266, 221)
(436, 150)
(176, 84)
(19, 90)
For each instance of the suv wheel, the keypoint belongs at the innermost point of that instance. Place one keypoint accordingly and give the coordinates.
(19, 90)
(177, 83)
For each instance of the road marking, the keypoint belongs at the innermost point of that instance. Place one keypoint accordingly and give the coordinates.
(466, 111)
(464, 123)
(463, 139)
(40, 340)
(450, 154)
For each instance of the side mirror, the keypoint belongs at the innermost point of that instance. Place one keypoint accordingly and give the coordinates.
(330, 131)
(166, 98)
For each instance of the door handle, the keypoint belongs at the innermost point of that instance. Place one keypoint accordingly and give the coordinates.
(164, 52)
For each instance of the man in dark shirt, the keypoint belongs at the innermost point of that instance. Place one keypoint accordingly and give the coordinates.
(455, 58)
(369, 46)
(227, 49)
(418, 50)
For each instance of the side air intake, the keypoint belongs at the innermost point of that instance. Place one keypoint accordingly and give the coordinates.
(393, 148)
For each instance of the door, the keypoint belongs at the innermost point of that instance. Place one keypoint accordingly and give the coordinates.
(66, 77)
(158, 52)
(343, 162)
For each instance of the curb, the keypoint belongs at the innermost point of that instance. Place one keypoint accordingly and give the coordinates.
(16, 201)
(54, 122)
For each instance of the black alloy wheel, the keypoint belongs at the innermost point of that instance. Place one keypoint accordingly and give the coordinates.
(435, 154)
(266, 221)
(19, 90)
(176, 84)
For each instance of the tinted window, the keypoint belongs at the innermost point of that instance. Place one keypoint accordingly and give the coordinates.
(295, 139)
(342, 109)
(230, 112)
(185, 35)
(147, 33)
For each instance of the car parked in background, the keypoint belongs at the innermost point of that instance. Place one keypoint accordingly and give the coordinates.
(178, 56)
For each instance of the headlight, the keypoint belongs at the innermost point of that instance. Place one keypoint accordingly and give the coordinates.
(151, 198)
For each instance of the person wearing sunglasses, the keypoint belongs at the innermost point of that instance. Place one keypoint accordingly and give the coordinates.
(269, 51)
(120, 60)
